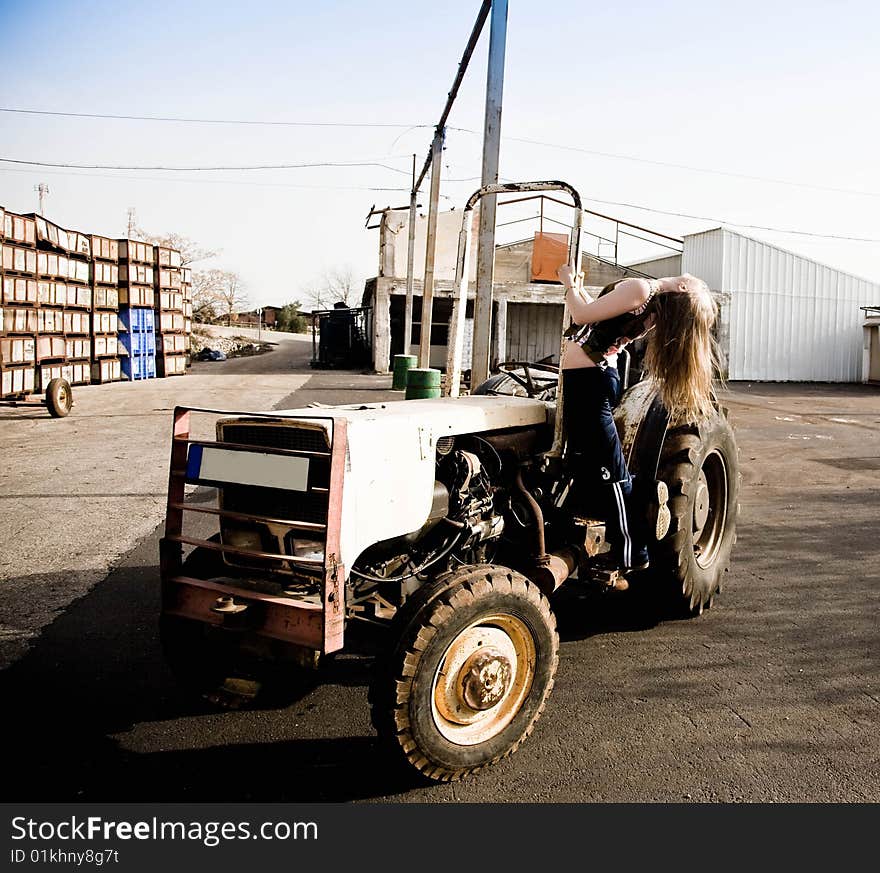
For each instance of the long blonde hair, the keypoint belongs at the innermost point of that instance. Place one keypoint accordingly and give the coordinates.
(681, 355)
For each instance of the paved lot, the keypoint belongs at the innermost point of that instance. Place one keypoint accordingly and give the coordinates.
(79, 493)
(771, 695)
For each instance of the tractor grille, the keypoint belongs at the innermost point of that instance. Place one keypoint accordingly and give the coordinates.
(276, 437)
(309, 506)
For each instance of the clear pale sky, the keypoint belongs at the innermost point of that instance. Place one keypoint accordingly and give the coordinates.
(780, 90)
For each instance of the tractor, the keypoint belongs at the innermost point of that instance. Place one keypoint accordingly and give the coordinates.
(444, 524)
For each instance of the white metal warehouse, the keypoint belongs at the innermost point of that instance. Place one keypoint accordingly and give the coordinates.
(784, 317)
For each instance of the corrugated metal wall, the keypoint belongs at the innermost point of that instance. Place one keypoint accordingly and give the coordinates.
(534, 331)
(787, 317)
(703, 256)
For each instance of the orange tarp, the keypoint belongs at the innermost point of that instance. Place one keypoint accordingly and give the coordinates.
(549, 253)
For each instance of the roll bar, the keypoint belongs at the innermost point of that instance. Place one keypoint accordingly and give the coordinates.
(459, 304)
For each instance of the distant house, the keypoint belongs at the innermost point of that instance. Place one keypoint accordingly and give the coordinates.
(269, 317)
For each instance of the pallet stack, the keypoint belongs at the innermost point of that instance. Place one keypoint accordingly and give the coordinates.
(137, 332)
(187, 289)
(18, 304)
(63, 259)
(87, 308)
(64, 297)
(52, 278)
(172, 341)
(106, 365)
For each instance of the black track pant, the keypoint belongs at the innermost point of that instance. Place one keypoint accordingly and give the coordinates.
(596, 460)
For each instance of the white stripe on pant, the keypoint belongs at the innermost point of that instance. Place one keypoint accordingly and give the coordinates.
(624, 530)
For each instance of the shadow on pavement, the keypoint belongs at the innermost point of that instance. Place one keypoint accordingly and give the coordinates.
(95, 685)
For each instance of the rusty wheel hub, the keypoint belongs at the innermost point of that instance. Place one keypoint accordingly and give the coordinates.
(486, 679)
(483, 678)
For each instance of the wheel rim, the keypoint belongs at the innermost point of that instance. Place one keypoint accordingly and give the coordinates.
(482, 680)
(710, 509)
(64, 397)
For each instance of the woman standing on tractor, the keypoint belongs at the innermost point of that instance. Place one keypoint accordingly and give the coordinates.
(678, 313)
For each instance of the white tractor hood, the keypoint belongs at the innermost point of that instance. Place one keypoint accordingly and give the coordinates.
(389, 470)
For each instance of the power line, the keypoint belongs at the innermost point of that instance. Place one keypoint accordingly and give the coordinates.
(734, 223)
(237, 182)
(650, 209)
(206, 169)
(242, 121)
(410, 127)
(670, 165)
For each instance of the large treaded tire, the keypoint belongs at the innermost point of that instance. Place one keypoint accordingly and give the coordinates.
(701, 469)
(409, 680)
(59, 398)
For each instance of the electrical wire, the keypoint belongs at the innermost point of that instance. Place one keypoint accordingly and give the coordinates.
(735, 223)
(239, 121)
(305, 166)
(674, 166)
(410, 127)
(767, 228)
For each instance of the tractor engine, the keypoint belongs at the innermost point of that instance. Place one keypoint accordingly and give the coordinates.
(462, 526)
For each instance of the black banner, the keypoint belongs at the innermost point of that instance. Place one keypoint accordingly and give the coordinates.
(134, 837)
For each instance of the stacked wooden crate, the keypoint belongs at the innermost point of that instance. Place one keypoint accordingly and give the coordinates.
(63, 258)
(87, 308)
(187, 289)
(137, 334)
(18, 304)
(106, 365)
(172, 341)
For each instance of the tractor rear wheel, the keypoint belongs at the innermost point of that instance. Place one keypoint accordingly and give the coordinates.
(469, 671)
(700, 466)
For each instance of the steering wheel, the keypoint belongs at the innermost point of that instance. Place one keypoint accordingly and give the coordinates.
(527, 381)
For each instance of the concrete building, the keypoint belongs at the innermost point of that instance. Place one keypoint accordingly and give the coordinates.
(527, 310)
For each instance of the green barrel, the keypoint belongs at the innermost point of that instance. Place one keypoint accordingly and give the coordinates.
(422, 383)
(402, 365)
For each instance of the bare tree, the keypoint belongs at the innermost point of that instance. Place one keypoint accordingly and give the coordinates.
(232, 295)
(334, 286)
(207, 286)
(218, 295)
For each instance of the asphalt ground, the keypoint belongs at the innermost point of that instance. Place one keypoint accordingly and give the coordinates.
(772, 695)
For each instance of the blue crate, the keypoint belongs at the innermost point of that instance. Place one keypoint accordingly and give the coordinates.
(138, 337)
(141, 367)
(136, 319)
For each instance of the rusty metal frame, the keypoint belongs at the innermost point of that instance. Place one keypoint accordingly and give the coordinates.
(305, 623)
(456, 334)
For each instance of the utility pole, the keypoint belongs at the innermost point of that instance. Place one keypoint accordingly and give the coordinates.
(491, 151)
(433, 161)
(410, 262)
(430, 248)
(42, 190)
(131, 219)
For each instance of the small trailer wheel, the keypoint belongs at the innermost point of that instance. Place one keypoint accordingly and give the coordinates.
(59, 398)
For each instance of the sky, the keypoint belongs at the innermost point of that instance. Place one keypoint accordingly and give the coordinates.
(754, 113)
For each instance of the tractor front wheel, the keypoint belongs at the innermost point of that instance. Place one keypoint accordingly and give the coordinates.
(469, 672)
